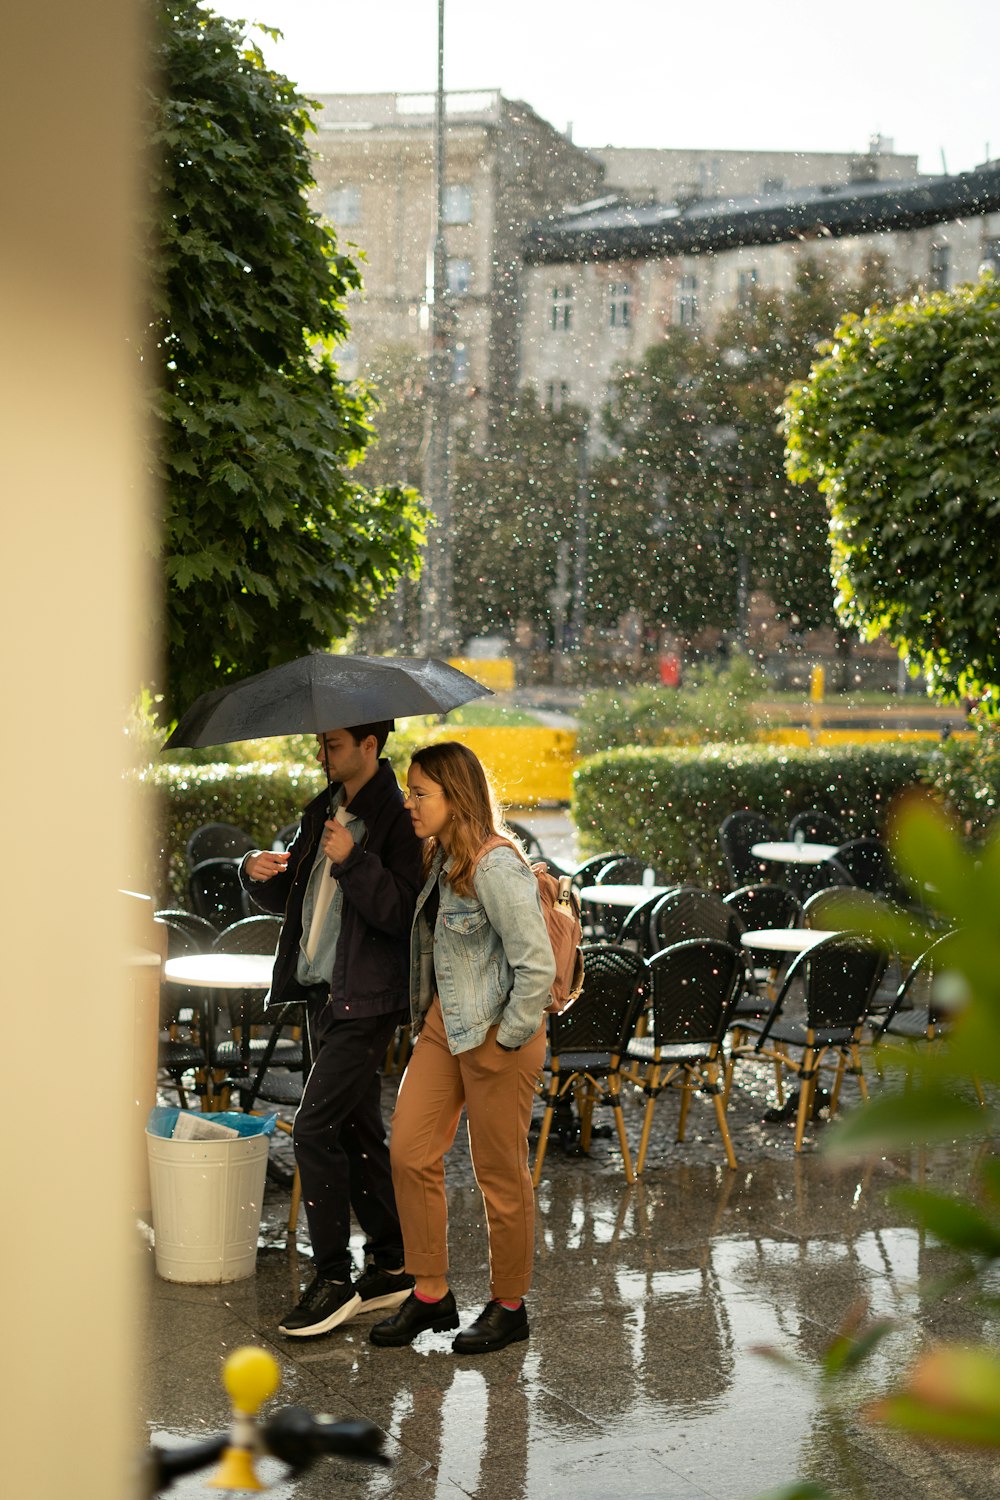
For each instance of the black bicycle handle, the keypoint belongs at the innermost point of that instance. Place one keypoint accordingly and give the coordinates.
(292, 1435)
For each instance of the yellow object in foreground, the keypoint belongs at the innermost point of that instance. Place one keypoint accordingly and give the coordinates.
(250, 1376)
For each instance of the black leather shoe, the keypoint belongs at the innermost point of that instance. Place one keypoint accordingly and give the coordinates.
(495, 1328)
(415, 1317)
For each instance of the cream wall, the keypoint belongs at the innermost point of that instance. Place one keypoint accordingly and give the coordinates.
(71, 582)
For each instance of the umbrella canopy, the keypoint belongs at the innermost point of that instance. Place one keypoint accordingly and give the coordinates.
(321, 691)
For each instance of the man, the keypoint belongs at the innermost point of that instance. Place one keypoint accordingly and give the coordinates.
(347, 889)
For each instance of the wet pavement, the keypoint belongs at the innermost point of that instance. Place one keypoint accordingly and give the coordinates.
(640, 1377)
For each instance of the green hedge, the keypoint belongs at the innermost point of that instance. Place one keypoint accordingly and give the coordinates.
(258, 798)
(665, 805)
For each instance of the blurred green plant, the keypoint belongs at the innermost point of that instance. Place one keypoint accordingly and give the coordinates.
(950, 1395)
(966, 775)
(714, 703)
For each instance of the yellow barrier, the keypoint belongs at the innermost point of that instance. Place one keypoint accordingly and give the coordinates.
(525, 765)
(854, 736)
(495, 673)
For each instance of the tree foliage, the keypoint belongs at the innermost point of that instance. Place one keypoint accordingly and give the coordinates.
(270, 548)
(899, 426)
(699, 483)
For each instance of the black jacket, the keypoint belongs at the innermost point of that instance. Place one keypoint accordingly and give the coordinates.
(380, 880)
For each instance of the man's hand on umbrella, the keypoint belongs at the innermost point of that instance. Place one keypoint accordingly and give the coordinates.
(262, 864)
(337, 842)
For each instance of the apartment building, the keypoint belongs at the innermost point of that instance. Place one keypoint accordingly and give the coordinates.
(505, 169)
(590, 309)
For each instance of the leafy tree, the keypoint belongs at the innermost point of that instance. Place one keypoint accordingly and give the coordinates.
(899, 426)
(270, 549)
(700, 463)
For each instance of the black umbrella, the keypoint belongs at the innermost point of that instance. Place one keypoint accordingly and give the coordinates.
(319, 692)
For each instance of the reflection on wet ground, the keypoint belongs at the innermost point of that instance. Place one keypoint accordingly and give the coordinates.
(639, 1378)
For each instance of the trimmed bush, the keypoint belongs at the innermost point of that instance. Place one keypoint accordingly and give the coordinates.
(259, 798)
(665, 805)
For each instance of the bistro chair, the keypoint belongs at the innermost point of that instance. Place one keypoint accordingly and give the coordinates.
(689, 912)
(816, 827)
(284, 837)
(634, 931)
(200, 929)
(215, 892)
(588, 873)
(868, 864)
(759, 907)
(586, 1043)
(529, 843)
(914, 1012)
(737, 834)
(840, 974)
(217, 841)
(181, 1045)
(257, 1037)
(694, 986)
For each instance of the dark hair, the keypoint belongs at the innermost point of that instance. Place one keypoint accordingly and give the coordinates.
(475, 813)
(381, 729)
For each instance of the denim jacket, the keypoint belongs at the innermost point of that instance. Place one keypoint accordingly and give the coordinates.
(489, 958)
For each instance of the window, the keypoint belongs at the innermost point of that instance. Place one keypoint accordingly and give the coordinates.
(619, 304)
(746, 287)
(458, 203)
(562, 307)
(458, 274)
(556, 394)
(460, 365)
(342, 205)
(940, 267)
(687, 301)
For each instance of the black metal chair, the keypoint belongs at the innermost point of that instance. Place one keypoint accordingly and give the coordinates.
(181, 1048)
(689, 912)
(201, 929)
(817, 827)
(868, 864)
(914, 1012)
(634, 931)
(586, 1043)
(284, 837)
(737, 834)
(759, 907)
(588, 873)
(258, 1037)
(840, 974)
(694, 986)
(217, 841)
(529, 843)
(215, 892)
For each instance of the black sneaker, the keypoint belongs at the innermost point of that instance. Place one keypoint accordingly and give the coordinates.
(379, 1290)
(323, 1305)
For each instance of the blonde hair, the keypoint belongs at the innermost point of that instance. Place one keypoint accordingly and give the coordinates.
(476, 813)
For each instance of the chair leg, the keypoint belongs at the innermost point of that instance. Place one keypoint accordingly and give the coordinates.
(779, 1081)
(293, 1207)
(859, 1070)
(686, 1088)
(653, 1085)
(585, 1109)
(807, 1089)
(719, 1100)
(615, 1100)
(543, 1134)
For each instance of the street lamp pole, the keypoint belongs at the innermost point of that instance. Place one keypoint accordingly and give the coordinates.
(436, 621)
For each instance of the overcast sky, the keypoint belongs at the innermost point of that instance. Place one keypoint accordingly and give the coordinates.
(721, 74)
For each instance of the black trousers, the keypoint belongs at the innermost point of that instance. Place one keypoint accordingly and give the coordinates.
(340, 1144)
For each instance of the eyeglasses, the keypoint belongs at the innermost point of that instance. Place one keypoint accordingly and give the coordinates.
(414, 796)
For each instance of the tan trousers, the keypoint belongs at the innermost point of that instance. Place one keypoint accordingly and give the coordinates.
(497, 1089)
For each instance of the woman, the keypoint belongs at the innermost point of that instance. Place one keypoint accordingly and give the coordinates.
(481, 971)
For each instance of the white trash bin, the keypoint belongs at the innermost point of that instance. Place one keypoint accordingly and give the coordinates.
(207, 1197)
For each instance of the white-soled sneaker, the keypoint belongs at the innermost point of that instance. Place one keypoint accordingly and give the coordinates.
(323, 1306)
(382, 1290)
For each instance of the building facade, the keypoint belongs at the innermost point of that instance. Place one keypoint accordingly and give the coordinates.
(505, 169)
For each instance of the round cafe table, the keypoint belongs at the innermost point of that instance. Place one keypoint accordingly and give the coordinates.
(783, 939)
(221, 971)
(621, 895)
(784, 851)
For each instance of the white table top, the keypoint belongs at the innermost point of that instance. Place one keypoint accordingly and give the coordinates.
(789, 853)
(621, 895)
(222, 971)
(783, 939)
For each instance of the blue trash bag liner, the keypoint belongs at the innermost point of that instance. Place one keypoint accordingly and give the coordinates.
(163, 1118)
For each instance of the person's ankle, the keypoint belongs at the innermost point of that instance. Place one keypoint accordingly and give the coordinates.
(510, 1303)
(430, 1290)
